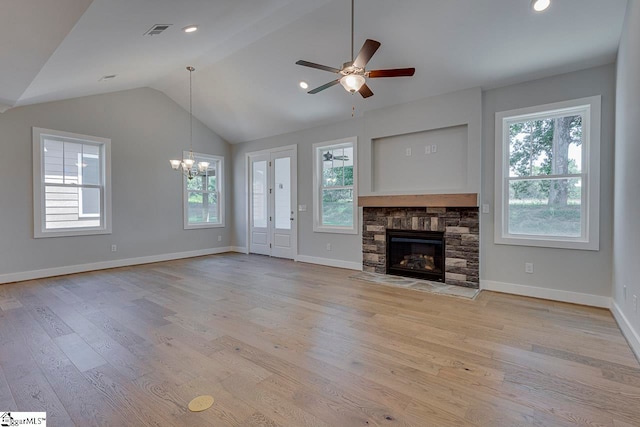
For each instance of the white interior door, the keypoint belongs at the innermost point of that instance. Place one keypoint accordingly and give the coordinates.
(273, 201)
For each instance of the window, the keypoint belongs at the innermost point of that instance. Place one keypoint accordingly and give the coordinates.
(203, 197)
(71, 184)
(547, 175)
(335, 186)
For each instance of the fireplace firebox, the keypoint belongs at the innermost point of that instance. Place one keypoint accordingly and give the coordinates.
(416, 254)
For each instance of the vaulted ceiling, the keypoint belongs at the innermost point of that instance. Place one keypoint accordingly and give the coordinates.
(246, 80)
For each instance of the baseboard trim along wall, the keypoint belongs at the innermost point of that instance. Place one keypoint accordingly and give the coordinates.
(103, 265)
(330, 262)
(239, 249)
(632, 336)
(544, 293)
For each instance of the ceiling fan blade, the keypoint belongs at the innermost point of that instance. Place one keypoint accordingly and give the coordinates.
(368, 49)
(397, 72)
(318, 66)
(323, 87)
(365, 91)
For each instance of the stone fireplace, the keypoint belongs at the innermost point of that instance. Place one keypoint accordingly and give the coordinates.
(458, 224)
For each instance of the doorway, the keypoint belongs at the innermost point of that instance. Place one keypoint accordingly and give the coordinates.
(272, 219)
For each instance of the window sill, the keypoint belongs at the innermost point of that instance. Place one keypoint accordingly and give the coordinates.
(70, 233)
(545, 242)
(200, 226)
(335, 230)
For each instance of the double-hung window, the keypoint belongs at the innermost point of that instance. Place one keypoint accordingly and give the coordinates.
(71, 184)
(548, 175)
(335, 196)
(203, 195)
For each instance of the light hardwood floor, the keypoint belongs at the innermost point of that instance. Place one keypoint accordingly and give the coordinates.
(283, 343)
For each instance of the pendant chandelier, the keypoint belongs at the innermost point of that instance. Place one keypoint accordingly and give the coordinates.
(188, 166)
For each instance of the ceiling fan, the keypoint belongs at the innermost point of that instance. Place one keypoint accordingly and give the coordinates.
(353, 74)
(329, 157)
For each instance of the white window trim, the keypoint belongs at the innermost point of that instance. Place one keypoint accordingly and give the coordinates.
(39, 215)
(317, 202)
(221, 194)
(591, 158)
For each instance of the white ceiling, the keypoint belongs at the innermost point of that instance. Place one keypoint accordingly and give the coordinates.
(245, 83)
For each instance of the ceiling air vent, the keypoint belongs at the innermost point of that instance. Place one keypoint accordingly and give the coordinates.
(157, 29)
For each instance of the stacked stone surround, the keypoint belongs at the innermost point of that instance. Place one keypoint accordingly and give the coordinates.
(460, 225)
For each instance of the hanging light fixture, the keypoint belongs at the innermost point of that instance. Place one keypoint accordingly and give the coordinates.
(188, 166)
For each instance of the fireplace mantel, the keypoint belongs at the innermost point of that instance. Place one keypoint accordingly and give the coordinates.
(463, 200)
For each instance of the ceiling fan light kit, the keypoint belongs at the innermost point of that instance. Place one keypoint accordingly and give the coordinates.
(353, 74)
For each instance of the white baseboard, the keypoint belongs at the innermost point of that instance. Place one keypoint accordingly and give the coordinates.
(544, 293)
(103, 265)
(330, 262)
(239, 249)
(632, 336)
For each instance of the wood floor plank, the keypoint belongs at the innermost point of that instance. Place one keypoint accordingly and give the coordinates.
(79, 352)
(279, 343)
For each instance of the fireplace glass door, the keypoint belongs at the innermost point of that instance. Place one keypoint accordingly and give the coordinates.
(416, 254)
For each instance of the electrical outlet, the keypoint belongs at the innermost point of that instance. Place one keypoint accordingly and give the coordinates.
(219, 238)
(427, 149)
(114, 248)
(407, 152)
(528, 267)
(434, 148)
(485, 208)
(328, 246)
(635, 303)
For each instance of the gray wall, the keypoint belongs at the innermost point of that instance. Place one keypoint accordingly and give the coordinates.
(455, 109)
(586, 272)
(146, 130)
(626, 250)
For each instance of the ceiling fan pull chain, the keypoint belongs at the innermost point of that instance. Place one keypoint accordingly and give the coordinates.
(353, 110)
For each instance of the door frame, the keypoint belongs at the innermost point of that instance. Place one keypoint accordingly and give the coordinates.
(294, 195)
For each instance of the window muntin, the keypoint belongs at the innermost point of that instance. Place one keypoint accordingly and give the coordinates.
(335, 194)
(545, 181)
(203, 206)
(71, 191)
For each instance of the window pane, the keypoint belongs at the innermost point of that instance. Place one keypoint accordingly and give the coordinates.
(62, 209)
(546, 207)
(212, 181)
(72, 162)
(90, 168)
(195, 183)
(283, 193)
(337, 208)
(202, 208)
(53, 161)
(89, 201)
(259, 194)
(546, 147)
(337, 167)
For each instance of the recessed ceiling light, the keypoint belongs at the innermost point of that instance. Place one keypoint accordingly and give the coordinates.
(304, 85)
(190, 28)
(540, 5)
